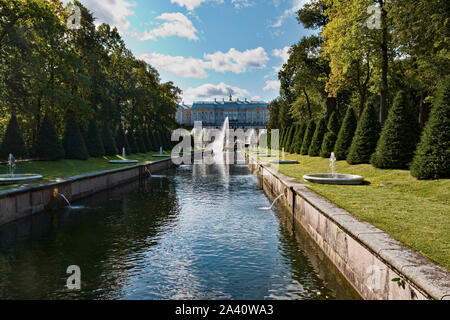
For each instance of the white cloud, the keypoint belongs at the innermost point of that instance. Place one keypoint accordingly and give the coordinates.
(113, 12)
(242, 3)
(296, 5)
(181, 66)
(190, 4)
(272, 85)
(256, 98)
(283, 54)
(233, 60)
(210, 91)
(176, 24)
(237, 61)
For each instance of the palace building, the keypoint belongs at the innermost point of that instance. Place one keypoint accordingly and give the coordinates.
(242, 114)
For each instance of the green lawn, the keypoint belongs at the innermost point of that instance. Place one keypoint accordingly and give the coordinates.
(416, 213)
(52, 170)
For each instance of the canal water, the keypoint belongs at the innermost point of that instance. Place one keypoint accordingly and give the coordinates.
(195, 232)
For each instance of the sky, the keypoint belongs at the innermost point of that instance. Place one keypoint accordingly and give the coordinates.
(209, 48)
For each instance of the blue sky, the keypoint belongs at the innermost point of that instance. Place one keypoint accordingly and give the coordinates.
(208, 47)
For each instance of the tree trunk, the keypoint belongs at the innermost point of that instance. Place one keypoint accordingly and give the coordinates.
(384, 63)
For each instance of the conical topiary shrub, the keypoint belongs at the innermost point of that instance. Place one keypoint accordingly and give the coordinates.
(284, 137)
(13, 141)
(159, 140)
(94, 143)
(148, 144)
(309, 133)
(73, 141)
(316, 143)
(292, 139)
(366, 137)
(298, 139)
(132, 142)
(140, 142)
(290, 135)
(331, 136)
(399, 136)
(432, 158)
(346, 134)
(108, 141)
(48, 146)
(122, 141)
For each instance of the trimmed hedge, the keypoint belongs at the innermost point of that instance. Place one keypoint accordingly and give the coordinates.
(309, 133)
(331, 136)
(432, 158)
(48, 146)
(346, 134)
(13, 141)
(399, 136)
(108, 141)
(298, 139)
(316, 143)
(94, 143)
(73, 141)
(366, 137)
(132, 142)
(289, 137)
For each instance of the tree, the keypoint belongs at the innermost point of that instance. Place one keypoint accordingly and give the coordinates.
(432, 158)
(290, 135)
(73, 141)
(140, 142)
(48, 146)
(292, 141)
(398, 139)
(13, 141)
(298, 139)
(366, 137)
(147, 142)
(316, 143)
(310, 130)
(331, 136)
(108, 141)
(346, 134)
(94, 143)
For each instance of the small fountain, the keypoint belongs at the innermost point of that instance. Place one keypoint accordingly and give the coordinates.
(124, 160)
(11, 177)
(283, 159)
(161, 154)
(273, 203)
(334, 178)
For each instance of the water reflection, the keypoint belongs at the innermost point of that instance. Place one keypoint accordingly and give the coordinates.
(194, 233)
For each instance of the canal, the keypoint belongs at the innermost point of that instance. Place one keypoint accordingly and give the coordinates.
(194, 232)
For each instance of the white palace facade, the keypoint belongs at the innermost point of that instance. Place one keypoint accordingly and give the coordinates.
(242, 114)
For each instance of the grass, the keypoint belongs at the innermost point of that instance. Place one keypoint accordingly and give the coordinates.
(414, 212)
(52, 170)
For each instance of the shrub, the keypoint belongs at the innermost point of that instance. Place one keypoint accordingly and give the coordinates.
(94, 143)
(366, 136)
(309, 133)
(140, 142)
(147, 142)
(73, 141)
(331, 136)
(316, 143)
(48, 146)
(289, 137)
(432, 158)
(398, 139)
(108, 141)
(13, 141)
(298, 139)
(122, 141)
(132, 142)
(345, 136)
(292, 139)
